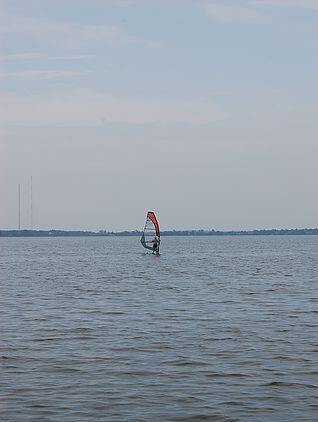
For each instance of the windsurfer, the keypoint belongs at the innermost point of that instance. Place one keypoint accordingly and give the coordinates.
(150, 238)
(155, 245)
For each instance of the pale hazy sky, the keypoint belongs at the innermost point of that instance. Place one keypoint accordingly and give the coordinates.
(204, 111)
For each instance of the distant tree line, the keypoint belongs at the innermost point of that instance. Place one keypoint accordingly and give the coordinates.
(72, 233)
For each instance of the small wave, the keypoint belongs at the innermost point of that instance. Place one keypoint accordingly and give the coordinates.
(133, 349)
(47, 339)
(212, 374)
(80, 330)
(85, 338)
(163, 346)
(64, 369)
(292, 358)
(186, 362)
(289, 384)
(114, 313)
(141, 373)
(202, 417)
(313, 372)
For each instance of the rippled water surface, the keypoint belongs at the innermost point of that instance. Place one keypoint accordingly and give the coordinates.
(216, 329)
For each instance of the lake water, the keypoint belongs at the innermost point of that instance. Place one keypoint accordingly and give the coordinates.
(215, 329)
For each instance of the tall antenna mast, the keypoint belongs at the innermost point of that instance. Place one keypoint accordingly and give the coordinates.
(31, 204)
(19, 205)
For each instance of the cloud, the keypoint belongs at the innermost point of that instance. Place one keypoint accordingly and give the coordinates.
(90, 108)
(18, 57)
(65, 34)
(307, 4)
(249, 10)
(40, 74)
(230, 12)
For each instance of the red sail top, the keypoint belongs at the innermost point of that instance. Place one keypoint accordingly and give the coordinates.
(152, 217)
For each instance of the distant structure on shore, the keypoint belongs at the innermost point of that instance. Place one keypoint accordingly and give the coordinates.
(70, 233)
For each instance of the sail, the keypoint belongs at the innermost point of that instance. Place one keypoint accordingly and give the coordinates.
(150, 231)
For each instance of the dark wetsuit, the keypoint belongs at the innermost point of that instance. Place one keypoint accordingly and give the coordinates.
(155, 246)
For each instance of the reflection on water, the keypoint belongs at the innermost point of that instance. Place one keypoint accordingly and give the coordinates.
(216, 328)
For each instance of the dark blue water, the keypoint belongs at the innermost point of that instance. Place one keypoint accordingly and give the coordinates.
(216, 328)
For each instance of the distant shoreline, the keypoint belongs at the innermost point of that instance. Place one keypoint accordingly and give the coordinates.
(103, 233)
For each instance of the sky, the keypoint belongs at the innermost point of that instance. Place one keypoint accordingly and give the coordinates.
(203, 111)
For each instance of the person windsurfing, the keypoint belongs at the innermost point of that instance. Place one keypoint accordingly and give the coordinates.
(155, 245)
(150, 237)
